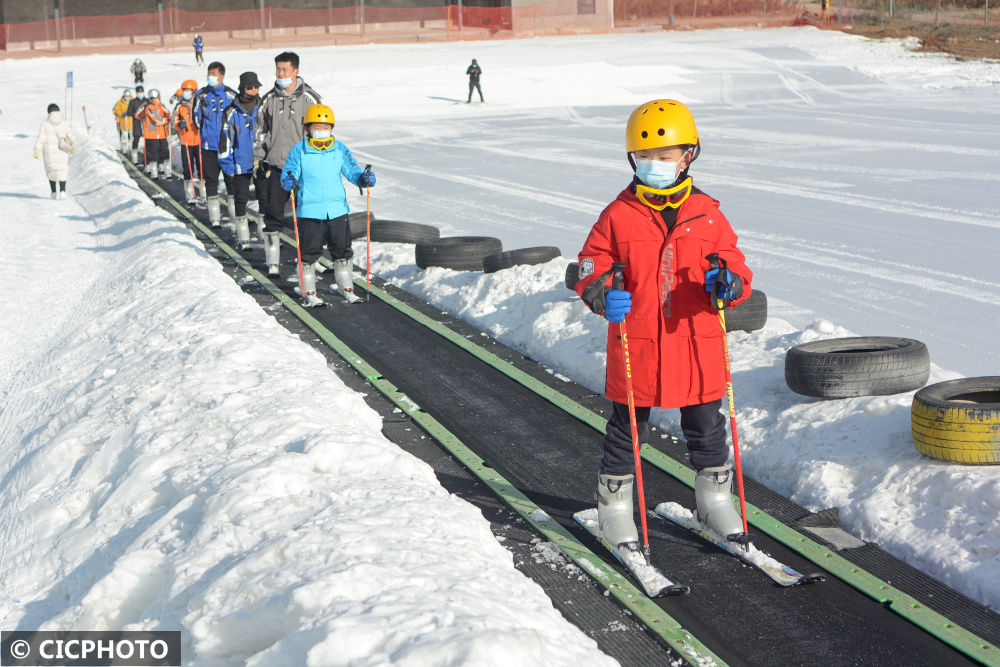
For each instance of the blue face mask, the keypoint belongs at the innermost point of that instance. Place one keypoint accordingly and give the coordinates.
(213, 81)
(656, 173)
(186, 94)
(283, 83)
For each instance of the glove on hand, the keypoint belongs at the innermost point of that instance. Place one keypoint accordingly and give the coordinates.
(617, 303)
(730, 284)
(367, 178)
(291, 180)
(36, 155)
(182, 124)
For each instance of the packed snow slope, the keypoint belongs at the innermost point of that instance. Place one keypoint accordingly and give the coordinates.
(173, 458)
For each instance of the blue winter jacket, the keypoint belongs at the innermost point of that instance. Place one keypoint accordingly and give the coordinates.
(209, 105)
(239, 127)
(320, 192)
(198, 42)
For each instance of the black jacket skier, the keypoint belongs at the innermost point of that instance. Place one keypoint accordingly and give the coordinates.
(474, 72)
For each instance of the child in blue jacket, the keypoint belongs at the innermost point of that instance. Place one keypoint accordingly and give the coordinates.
(239, 127)
(314, 168)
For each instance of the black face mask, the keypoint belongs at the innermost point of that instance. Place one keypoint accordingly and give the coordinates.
(248, 99)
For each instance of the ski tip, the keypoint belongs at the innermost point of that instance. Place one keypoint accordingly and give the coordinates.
(674, 590)
(813, 578)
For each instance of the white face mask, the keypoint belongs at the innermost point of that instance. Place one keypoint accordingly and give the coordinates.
(656, 173)
(321, 134)
(283, 83)
(186, 94)
(213, 81)
(55, 116)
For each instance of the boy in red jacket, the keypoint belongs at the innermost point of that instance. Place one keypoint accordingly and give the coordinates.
(663, 228)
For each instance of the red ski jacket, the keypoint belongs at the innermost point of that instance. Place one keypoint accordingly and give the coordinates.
(674, 335)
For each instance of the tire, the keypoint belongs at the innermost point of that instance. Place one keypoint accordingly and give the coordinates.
(958, 420)
(358, 222)
(749, 315)
(572, 275)
(863, 366)
(396, 231)
(461, 253)
(523, 256)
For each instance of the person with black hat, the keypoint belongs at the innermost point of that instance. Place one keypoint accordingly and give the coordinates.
(134, 107)
(239, 127)
(54, 143)
(474, 72)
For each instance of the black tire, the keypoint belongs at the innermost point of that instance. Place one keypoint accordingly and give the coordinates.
(358, 222)
(522, 256)
(749, 315)
(572, 275)
(397, 231)
(863, 366)
(460, 253)
(958, 420)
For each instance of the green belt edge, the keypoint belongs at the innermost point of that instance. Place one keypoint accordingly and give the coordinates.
(690, 649)
(899, 602)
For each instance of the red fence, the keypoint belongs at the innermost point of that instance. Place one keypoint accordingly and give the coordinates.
(175, 24)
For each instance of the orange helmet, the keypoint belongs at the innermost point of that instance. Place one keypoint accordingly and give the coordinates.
(190, 84)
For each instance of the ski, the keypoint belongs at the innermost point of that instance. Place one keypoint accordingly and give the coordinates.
(776, 570)
(653, 582)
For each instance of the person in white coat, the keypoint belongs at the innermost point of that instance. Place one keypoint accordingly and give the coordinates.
(54, 144)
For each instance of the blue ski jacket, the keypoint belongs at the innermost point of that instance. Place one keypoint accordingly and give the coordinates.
(316, 173)
(198, 42)
(209, 105)
(239, 127)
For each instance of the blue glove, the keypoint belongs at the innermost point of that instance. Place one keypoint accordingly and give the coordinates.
(617, 303)
(367, 178)
(290, 181)
(730, 284)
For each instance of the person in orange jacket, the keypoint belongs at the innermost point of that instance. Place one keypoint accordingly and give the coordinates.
(663, 229)
(155, 121)
(123, 121)
(190, 139)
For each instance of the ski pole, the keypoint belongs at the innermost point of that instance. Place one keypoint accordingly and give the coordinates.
(85, 118)
(201, 173)
(298, 247)
(618, 282)
(717, 262)
(368, 235)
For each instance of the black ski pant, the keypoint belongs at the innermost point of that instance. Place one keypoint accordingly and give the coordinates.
(157, 150)
(136, 133)
(475, 85)
(335, 234)
(210, 163)
(271, 198)
(138, 77)
(189, 161)
(240, 189)
(704, 430)
(62, 185)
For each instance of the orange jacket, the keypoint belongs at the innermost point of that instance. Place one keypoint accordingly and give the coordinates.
(124, 122)
(155, 120)
(189, 134)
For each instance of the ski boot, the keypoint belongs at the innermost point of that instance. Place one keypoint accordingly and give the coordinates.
(345, 284)
(214, 212)
(231, 207)
(135, 156)
(166, 171)
(310, 300)
(152, 170)
(615, 515)
(190, 198)
(242, 233)
(320, 269)
(202, 200)
(714, 500)
(272, 253)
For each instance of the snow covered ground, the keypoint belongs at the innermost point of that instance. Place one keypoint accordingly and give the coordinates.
(172, 458)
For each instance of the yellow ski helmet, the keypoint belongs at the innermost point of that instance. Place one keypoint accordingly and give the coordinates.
(660, 123)
(318, 113)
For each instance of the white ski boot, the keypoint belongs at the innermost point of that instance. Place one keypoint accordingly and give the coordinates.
(272, 253)
(231, 207)
(320, 269)
(201, 201)
(165, 169)
(214, 211)
(62, 193)
(342, 276)
(615, 515)
(190, 198)
(151, 169)
(714, 499)
(135, 156)
(242, 233)
(310, 300)
(55, 194)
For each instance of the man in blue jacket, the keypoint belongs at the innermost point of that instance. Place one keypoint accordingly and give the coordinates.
(239, 127)
(313, 169)
(209, 105)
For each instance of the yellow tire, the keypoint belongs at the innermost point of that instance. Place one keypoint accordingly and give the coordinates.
(958, 420)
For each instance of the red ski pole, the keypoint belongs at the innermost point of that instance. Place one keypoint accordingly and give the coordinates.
(717, 262)
(298, 248)
(201, 172)
(618, 282)
(368, 243)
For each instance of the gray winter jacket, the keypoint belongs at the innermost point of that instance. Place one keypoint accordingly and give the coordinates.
(280, 122)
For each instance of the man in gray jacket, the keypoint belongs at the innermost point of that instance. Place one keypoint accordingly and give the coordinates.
(280, 128)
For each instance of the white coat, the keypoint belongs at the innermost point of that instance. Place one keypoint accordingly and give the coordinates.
(56, 161)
